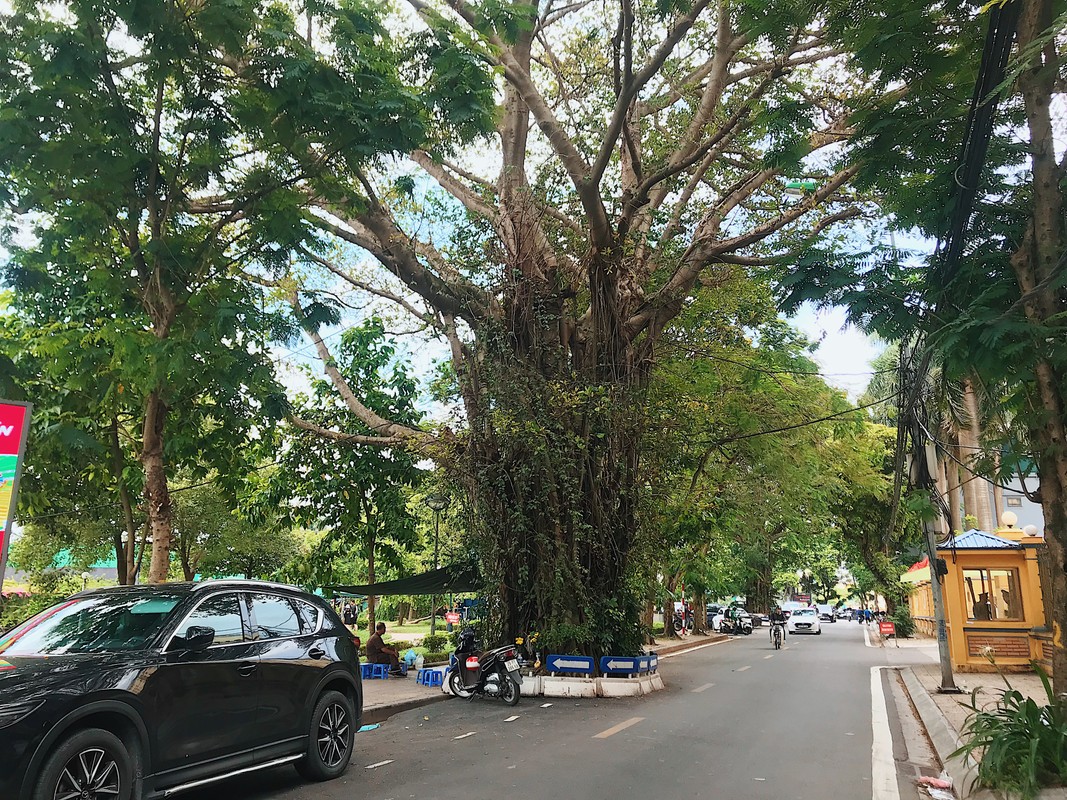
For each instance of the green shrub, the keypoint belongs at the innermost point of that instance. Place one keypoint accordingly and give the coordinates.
(16, 610)
(901, 618)
(436, 643)
(440, 657)
(657, 629)
(1023, 745)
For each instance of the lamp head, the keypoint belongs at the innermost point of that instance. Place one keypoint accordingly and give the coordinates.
(438, 502)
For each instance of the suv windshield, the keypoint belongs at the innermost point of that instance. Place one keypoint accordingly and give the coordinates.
(95, 624)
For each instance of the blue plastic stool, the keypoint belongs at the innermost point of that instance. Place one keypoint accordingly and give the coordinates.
(429, 677)
(379, 670)
(365, 670)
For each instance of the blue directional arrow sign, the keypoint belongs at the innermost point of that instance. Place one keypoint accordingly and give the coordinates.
(642, 664)
(653, 662)
(576, 664)
(617, 665)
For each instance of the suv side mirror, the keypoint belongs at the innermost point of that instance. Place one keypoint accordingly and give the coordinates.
(198, 639)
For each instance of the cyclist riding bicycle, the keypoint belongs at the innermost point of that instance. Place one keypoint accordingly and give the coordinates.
(777, 617)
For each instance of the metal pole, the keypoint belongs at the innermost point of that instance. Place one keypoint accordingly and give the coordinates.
(436, 540)
(948, 683)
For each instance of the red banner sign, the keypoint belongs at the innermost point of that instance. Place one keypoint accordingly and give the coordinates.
(887, 629)
(452, 617)
(14, 425)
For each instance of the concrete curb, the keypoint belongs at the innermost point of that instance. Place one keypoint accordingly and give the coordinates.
(381, 713)
(692, 644)
(962, 770)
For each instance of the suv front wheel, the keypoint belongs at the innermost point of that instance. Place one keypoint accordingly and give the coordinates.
(330, 738)
(92, 764)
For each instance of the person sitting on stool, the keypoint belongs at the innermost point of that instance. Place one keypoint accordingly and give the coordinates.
(378, 653)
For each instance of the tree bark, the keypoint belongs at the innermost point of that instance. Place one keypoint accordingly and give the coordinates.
(372, 601)
(157, 494)
(952, 476)
(1036, 263)
(124, 554)
(979, 485)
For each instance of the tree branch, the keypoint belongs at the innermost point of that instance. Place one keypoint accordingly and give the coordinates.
(344, 438)
(370, 418)
(453, 186)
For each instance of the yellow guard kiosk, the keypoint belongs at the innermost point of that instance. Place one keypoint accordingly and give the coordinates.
(993, 600)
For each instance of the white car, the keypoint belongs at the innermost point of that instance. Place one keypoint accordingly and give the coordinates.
(804, 620)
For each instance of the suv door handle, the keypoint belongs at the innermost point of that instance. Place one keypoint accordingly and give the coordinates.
(316, 652)
(247, 669)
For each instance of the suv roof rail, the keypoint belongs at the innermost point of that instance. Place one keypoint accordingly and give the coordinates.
(211, 582)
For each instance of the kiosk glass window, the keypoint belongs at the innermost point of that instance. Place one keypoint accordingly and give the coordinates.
(993, 594)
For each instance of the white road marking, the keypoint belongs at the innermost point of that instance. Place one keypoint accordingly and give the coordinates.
(512, 719)
(742, 669)
(883, 767)
(464, 736)
(770, 656)
(705, 687)
(620, 727)
(867, 637)
(380, 764)
(545, 705)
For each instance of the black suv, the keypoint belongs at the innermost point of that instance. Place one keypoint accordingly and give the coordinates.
(145, 691)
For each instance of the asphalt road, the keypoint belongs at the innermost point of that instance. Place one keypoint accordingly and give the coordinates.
(738, 721)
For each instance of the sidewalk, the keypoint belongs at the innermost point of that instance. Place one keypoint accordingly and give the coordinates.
(944, 716)
(384, 697)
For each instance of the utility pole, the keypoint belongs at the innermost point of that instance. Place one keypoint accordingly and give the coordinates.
(922, 472)
(948, 682)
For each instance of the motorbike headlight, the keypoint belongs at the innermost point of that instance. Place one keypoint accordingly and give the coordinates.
(10, 713)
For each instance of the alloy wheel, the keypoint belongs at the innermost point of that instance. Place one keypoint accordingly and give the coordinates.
(333, 735)
(92, 774)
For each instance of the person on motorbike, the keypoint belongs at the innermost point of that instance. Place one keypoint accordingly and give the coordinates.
(733, 613)
(777, 617)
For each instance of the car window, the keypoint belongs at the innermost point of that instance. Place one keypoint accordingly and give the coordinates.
(222, 614)
(309, 616)
(804, 612)
(95, 624)
(274, 616)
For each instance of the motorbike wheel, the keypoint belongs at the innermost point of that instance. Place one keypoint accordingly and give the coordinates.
(677, 625)
(509, 691)
(455, 683)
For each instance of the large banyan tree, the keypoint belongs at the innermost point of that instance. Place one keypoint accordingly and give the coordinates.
(641, 153)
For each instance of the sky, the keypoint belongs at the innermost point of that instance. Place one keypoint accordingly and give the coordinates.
(845, 353)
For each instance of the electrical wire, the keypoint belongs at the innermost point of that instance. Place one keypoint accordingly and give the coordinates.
(774, 371)
(771, 431)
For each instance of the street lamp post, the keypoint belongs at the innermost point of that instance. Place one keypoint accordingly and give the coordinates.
(438, 503)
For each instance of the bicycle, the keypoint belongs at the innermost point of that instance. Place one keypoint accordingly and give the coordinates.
(776, 634)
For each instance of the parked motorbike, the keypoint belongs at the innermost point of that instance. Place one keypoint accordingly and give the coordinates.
(683, 624)
(494, 673)
(742, 626)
